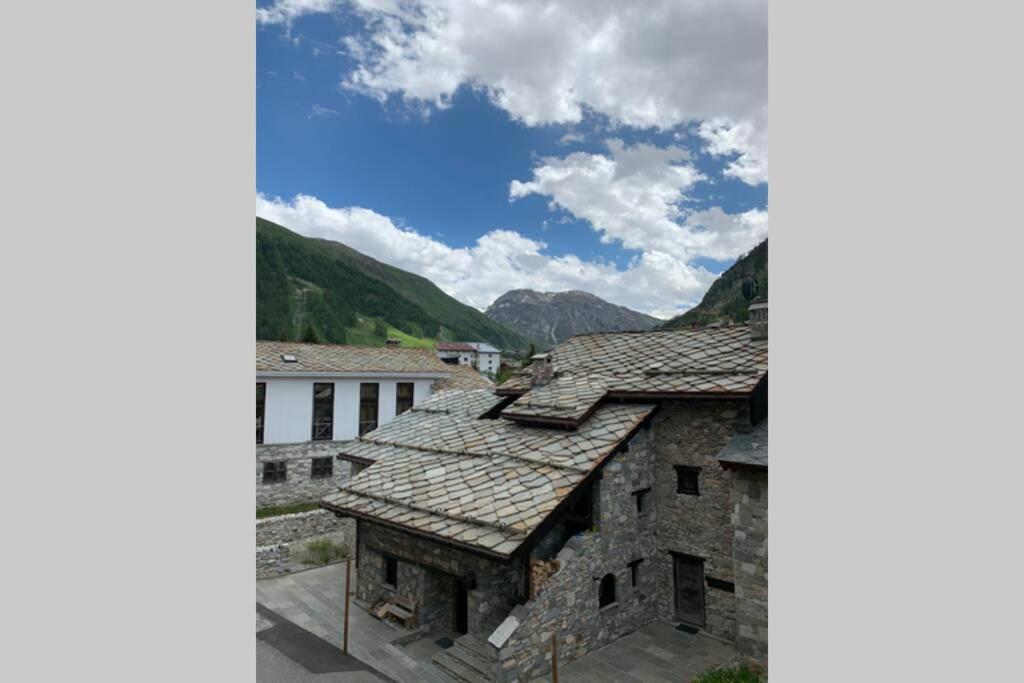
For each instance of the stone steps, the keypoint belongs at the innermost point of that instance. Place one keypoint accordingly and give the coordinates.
(468, 661)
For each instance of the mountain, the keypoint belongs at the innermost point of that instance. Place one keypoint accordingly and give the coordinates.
(553, 317)
(348, 297)
(724, 300)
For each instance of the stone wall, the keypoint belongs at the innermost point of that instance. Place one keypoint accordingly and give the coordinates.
(568, 603)
(288, 528)
(426, 575)
(693, 433)
(272, 560)
(750, 560)
(299, 487)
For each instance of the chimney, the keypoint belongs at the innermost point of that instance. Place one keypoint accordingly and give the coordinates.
(542, 369)
(758, 320)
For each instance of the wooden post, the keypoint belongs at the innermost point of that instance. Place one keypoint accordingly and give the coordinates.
(348, 592)
(554, 658)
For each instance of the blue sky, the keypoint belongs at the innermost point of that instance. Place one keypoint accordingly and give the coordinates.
(485, 153)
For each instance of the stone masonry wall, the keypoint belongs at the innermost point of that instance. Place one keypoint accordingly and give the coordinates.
(426, 574)
(288, 528)
(568, 604)
(272, 560)
(693, 433)
(750, 561)
(299, 487)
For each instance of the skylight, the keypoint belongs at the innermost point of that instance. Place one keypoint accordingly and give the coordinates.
(289, 358)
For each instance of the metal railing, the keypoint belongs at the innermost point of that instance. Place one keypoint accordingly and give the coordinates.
(323, 430)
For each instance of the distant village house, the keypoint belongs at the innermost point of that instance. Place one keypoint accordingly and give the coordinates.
(479, 355)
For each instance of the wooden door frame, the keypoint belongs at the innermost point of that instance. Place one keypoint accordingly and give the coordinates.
(675, 588)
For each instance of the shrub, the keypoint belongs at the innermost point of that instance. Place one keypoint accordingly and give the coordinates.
(737, 673)
(323, 551)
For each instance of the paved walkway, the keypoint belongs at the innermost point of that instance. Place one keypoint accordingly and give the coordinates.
(655, 653)
(286, 653)
(314, 600)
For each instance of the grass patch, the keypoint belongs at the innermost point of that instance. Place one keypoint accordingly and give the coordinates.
(323, 551)
(277, 510)
(737, 673)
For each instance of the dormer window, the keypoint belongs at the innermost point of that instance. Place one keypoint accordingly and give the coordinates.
(289, 358)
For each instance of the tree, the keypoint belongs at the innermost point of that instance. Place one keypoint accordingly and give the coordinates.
(531, 351)
(309, 335)
(380, 329)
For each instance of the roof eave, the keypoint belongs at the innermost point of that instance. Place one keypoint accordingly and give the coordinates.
(476, 550)
(361, 374)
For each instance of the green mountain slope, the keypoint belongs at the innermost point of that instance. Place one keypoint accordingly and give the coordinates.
(724, 300)
(301, 281)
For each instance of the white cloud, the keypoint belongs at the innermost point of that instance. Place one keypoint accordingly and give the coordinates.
(634, 196)
(749, 141)
(319, 110)
(286, 11)
(654, 282)
(660, 63)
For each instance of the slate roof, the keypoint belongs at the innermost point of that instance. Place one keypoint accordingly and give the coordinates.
(689, 362)
(486, 484)
(747, 448)
(484, 347)
(454, 346)
(334, 358)
(464, 377)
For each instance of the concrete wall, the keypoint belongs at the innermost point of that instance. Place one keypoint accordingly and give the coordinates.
(299, 487)
(568, 604)
(693, 433)
(288, 412)
(426, 572)
(750, 561)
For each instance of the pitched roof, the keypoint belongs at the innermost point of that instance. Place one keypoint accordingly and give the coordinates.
(486, 484)
(484, 347)
(454, 346)
(334, 358)
(747, 448)
(464, 377)
(688, 362)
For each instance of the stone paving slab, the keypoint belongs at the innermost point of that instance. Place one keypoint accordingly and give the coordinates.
(314, 600)
(657, 653)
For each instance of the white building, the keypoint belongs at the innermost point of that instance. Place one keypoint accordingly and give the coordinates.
(456, 353)
(478, 355)
(310, 396)
(488, 358)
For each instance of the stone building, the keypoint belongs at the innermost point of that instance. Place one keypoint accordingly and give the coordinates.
(583, 498)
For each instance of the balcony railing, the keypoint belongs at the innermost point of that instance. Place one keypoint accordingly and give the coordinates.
(323, 430)
(365, 427)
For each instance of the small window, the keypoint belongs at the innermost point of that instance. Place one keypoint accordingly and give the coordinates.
(275, 471)
(606, 596)
(404, 394)
(391, 572)
(289, 358)
(261, 404)
(687, 480)
(640, 498)
(634, 572)
(323, 468)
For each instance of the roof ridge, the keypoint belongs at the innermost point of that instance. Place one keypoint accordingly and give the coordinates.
(451, 451)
